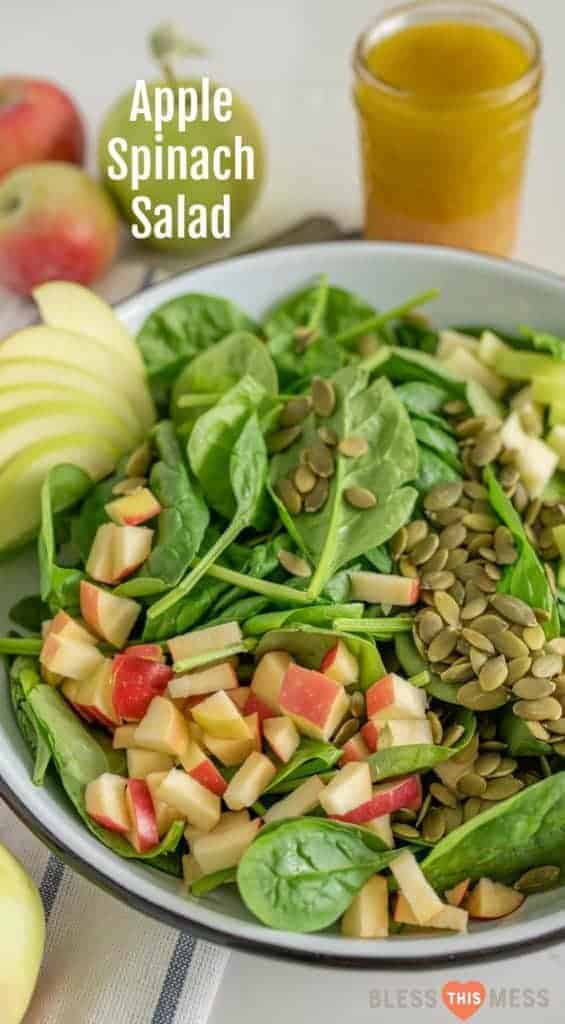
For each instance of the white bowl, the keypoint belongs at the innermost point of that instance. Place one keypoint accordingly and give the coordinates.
(474, 290)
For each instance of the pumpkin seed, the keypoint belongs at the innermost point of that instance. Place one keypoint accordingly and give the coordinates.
(477, 541)
(501, 789)
(367, 345)
(487, 763)
(547, 665)
(457, 592)
(472, 785)
(328, 436)
(456, 407)
(398, 543)
(323, 396)
(478, 640)
(438, 562)
(485, 583)
(538, 879)
(429, 625)
(533, 511)
(448, 516)
(405, 831)
(461, 672)
(530, 688)
(453, 817)
(443, 496)
(558, 727)
(493, 673)
(433, 825)
(443, 795)
(283, 439)
(480, 522)
(477, 659)
(407, 568)
(559, 748)
(510, 645)
(353, 447)
(474, 608)
(295, 411)
(357, 704)
(294, 565)
(416, 531)
(305, 336)
(289, 496)
(513, 609)
(447, 607)
(423, 809)
(424, 549)
(435, 726)
(453, 536)
(320, 459)
(487, 448)
(490, 625)
(442, 645)
(505, 551)
(517, 668)
(360, 497)
(468, 754)
(346, 732)
(317, 497)
(540, 732)
(453, 734)
(557, 646)
(473, 697)
(520, 497)
(304, 479)
(437, 580)
(475, 491)
(456, 557)
(488, 554)
(538, 710)
(471, 808)
(405, 815)
(471, 426)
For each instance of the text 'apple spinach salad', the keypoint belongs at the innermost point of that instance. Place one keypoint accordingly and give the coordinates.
(307, 638)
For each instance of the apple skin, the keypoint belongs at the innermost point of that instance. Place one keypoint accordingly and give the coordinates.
(38, 122)
(56, 223)
(136, 682)
(22, 938)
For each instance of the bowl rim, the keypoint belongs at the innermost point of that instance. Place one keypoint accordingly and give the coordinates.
(279, 950)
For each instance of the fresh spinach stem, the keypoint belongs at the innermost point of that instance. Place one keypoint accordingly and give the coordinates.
(323, 570)
(198, 398)
(319, 307)
(421, 679)
(20, 645)
(278, 591)
(217, 655)
(383, 629)
(374, 322)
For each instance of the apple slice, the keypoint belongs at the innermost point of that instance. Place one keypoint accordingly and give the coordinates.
(282, 736)
(457, 894)
(423, 900)
(234, 752)
(224, 847)
(398, 733)
(209, 680)
(382, 828)
(165, 815)
(268, 678)
(315, 703)
(371, 732)
(405, 792)
(489, 900)
(228, 820)
(94, 697)
(395, 698)
(69, 658)
(105, 801)
(100, 562)
(67, 628)
(137, 681)
(190, 870)
(303, 800)
(240, 696)
(367, 916)
(201, 641)
(200, 767)
(111, 617)
(123, 738)
(354, 750)
(117, 551)
(162, 728)
(197, 804)
(133, 509)
(218, 716)
(340, 665)
(144, 834)
(254, 705)
(142, 763)
(349, 788)
(378, 588)
(249, 781)
(151, 652)
(452, 919)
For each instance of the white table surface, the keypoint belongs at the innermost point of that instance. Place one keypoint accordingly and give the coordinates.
(290, 58)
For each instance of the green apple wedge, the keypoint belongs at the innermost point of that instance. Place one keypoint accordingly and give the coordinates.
(70, 349)
(22, 427)
(22, 478)
(22, 938)
(18, 373)
(21, 395)
(72, 307)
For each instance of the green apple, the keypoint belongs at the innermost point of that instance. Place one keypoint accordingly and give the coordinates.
(22, 938)
(15, 398)
(21, 480)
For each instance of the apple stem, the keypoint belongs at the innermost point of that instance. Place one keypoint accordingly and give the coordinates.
(167, 42)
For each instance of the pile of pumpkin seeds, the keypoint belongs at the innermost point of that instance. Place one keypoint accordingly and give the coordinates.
(307, 486)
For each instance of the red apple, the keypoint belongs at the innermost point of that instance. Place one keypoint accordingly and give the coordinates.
(315, 703)
(164, 814)
(490, 900)
(105, 800)
(354, 750)
(350, 788)
(133, 509)
(240, 697)
(65, 626)
(93, 698)
(341, 665)
(112, 617)
(200, 641)
(378, 588)
(394, 697)
(152, 652)
(200, 767)
(55, 224)
(387, 797)
(208, 680)
(398, 733)
(254, 705)
(69, 658)
(117, 551)
(144, 833)
(370, 733)
(282, 736)
(424, 901)
(268, 678)
(38, 122)
(136, 682)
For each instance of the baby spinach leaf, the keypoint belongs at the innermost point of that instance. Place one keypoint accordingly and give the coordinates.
(515, 733)
(401, 365)
(92, 512)
(421, 757)
(208, 883)
(432, 470)
(377, 322)
(413, 664)
(310, 615)
(311, 758)
(541, 341)
(63, 486)
(303, 875)
(339, 533)
(30, 613)
(379, 558)
(331, 310)
(241, 610)
(522, 832)
(23, 677)
(445, 446)
(421, 398)
(381, 628)
(410, 333)
(310, 645)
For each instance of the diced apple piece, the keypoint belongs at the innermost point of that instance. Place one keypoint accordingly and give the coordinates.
(201, 641)
(382, 828)
(315, 703)
(200, 767)
(165, 814)
(398, 733)
(196, 803)
(489, 900)
(240, 697)
(371, 732)
(340, 665)
(133, 509)
(190, 870)
(140, 460)
(70, 658)
(218, 716)
(367, 916)
(354, 750)
(131, 548)
(151, 652)
(349, 788)
(451, 341)
(124, 737)
(282, 736)
(249, 781)
(94, 697)
(111, 617)
(105, 800)
(535, 460)
(457, 894)
(405, 792)
(68, 628)
(395, 698)
(228, 820)
(254, 705)
(137, 681)
(556, 440)
(268, 678)
(413, 884)
(209, 680)
(530, 412)
(142, 763)
(303, 800)
(100, 563)
(449, 918)
(378, 588)
(466, 366)
(162, 728)
(144, 834)
(234, 752)
(224, 847)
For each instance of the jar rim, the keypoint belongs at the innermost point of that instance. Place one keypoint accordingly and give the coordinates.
(467, 10)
